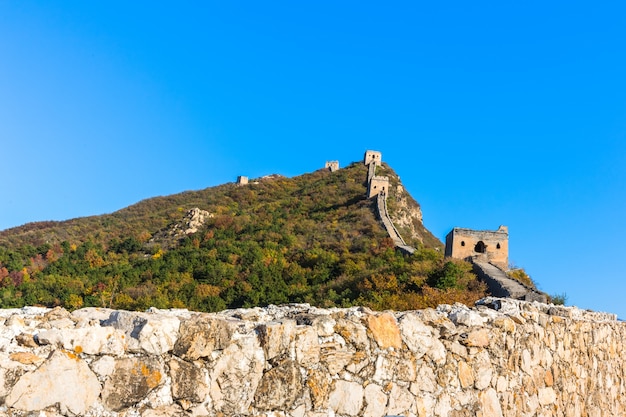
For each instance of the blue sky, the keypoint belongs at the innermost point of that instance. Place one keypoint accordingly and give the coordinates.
(491, 112)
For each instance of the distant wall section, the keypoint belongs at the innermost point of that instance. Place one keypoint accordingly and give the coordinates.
(482, 245)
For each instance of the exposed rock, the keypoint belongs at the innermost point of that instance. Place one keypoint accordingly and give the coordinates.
(385, 330)
(199, 336)
(189, 382)
(279, 388)
(132, 379)
(236, 375)
(346, 398)
(63, 379)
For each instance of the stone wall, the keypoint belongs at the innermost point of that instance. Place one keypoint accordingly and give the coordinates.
(502, 358)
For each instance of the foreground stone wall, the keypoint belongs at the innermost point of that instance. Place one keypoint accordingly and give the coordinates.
(502, 358)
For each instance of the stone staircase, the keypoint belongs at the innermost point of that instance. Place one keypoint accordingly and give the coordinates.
(383, 214)
(500, 285)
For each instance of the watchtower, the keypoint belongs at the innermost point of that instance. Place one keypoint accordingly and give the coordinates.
(241, 180)
(377, 185)
(332, 166)
(484, 245)
(372, 156)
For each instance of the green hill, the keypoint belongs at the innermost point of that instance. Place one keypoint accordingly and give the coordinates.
(312, 238)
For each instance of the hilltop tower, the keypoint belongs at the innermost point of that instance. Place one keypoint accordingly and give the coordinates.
(241, 180)
(372, 156)
(482, 245)
(332, 166)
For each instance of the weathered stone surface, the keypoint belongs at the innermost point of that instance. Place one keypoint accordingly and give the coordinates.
(279, 388)
(91, 340)
(131, 381)
(346, 398)
(307, 346)
(385, 330)
(376, 401)
(236, 375)
(63, 379)
(199, 336)
(490, 405)
(319, 384)
(151, 334)
(477, 338)
(418, 337)
(189, 382)
(466, 375)
(503, 358)
(26, 358)
(277, 337)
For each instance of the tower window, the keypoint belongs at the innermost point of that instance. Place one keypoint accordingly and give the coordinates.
(498, 246)
(462, 243)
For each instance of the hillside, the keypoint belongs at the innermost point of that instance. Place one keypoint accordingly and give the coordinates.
(312, 238)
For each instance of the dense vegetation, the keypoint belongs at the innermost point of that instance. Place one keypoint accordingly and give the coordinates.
(313, 238)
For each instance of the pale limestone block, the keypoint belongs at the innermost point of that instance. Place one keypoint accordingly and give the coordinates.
(346, 398)
(483, 371)
(466, 375)
(426, 379)
(527, 365)
(401, 402)
(443, 407)
(236, 375)
(307, 346)
(385, 368)
(43, 388)
(502, 384)
(546, 396)
(104, 366)
(490, 404)
(418, 337)
(462, 315)
(276, 337)
(425, 406)
(152, 334)
(335, 356)
(477, 338)
(376, 401)
(437, 352)
(353, 332)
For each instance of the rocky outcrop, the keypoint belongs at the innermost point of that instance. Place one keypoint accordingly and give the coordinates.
(502, 358)
(193, 220)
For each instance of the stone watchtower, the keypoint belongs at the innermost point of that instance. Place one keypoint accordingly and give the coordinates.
(332, 166)
(481, 245)
(372, 156)
(375, 184)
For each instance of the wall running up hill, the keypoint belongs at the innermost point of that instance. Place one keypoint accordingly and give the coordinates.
(502, 358)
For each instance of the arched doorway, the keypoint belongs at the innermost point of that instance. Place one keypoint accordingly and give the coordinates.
(480, 247)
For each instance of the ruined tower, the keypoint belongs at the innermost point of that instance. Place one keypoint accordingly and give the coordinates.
(482, 245)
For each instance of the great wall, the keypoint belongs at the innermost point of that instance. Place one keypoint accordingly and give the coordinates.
(504, 357)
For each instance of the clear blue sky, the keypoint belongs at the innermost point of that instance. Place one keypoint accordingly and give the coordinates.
(501, 112)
